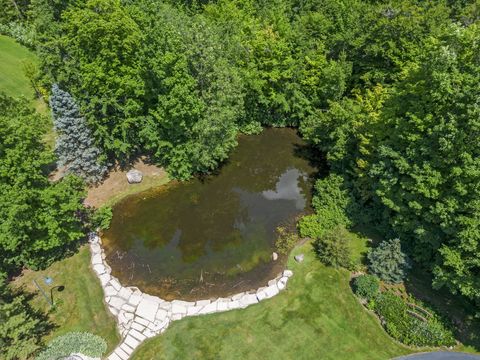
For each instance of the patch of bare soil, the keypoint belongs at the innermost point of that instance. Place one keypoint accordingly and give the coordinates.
(116, 186)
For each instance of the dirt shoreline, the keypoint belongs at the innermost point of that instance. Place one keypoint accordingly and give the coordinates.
(116, 186)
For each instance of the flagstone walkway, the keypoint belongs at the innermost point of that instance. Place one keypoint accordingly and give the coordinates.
(141, 316)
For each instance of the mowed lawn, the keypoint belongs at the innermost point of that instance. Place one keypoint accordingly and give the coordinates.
(12, 78)
(79, 307)
(317, 317)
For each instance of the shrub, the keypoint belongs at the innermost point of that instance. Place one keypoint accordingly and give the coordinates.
(74, 342)
(389, 262)
(400, 321)
(333, 248)
(330, 202)
(366, 286)
(102, 217)
(286, 240)
(22, 32)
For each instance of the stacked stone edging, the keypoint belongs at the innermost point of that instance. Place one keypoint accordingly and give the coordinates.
(141, 316)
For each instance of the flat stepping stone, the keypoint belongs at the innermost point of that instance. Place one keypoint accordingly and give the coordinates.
(287, 273)
(125, 293)
(110, 291)
(104, 279)
(122, 354)
(248, 299)
(135, 299)
(234, 304)
(271, 291)
(147, 309)
(210, 308)
(202, 303)
(137, 326)
(116, 302)
(114, 282)
(97, 259)
(137, 335)
(178, 309)
(128, 350)
(142, 321)
(114, 356)
(131, 341)
(99, 269)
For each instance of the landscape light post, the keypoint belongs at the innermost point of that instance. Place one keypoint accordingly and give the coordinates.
(59, 288)
(48, 281)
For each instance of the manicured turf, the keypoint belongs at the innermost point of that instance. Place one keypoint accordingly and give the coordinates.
(317, 317)
(79, 307)
(12, 79)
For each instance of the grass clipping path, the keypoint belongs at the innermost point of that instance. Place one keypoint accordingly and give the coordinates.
(317, 317)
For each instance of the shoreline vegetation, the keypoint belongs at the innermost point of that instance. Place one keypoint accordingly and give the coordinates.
(385, 92)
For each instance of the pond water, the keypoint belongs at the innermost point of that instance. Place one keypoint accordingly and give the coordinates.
(213, 236)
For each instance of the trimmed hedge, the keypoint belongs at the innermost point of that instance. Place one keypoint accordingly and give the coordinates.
(74, 342)
(403, 323)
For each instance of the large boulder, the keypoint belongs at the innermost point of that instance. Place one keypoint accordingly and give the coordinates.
(134, 176)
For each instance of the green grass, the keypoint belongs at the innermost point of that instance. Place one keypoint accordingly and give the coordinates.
(79, 307)
(12, 79)
(359, 246)
(148, 182)
(14, 82)
(317, 317)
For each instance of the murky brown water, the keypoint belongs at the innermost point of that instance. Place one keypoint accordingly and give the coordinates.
(213, 236)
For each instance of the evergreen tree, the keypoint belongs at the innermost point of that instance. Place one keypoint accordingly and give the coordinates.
(388, 261)
(21, 327)
(75, 146)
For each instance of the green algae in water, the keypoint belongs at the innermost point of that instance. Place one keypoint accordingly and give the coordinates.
(213, 236)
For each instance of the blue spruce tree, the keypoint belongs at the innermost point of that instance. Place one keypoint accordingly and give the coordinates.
(75, 145)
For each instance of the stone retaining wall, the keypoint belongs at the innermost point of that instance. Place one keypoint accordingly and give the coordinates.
(141, 316)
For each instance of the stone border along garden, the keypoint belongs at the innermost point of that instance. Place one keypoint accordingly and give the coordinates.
(141, 316)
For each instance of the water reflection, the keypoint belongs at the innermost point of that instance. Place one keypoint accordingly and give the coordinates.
(214, 236)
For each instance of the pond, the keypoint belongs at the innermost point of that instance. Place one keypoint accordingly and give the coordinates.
(213, 236)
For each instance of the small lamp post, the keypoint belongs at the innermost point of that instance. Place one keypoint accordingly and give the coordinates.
(48, 281)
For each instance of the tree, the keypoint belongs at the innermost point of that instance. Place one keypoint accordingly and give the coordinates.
(425, 169)
(197, 100)
(40, 219)
(21, 327)
(331, 203)
(388, 261)
(102, 69)
(333, 248)
(75, 146)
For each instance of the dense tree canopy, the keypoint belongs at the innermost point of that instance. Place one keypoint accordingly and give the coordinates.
(386, 90)
(39, 218)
